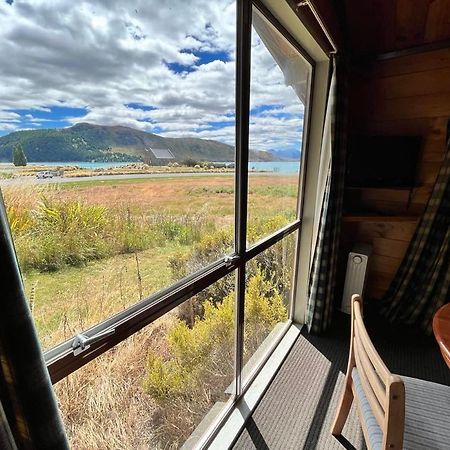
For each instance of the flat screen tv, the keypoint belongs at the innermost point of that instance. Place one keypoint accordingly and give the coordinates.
(383, 161)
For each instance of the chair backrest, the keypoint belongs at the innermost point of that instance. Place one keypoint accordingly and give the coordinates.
(380, 395)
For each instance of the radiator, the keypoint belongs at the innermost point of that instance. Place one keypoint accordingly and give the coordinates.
(356, 275)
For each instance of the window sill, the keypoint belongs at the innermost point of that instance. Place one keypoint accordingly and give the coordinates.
(246, 405)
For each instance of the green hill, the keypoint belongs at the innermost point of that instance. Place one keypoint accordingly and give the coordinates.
(86, 142)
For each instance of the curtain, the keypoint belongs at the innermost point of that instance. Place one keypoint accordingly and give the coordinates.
(422, 283)
(28, 411)
(329, 203)
(296, 70)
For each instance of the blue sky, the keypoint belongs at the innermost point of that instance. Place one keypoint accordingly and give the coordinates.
(140, 65)
(50, 117)
(203, 58)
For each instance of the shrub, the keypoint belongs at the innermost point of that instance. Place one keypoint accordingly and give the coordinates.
(199, 363)
(213, 246)
(62, 233)
(51, 233)
(190, 162)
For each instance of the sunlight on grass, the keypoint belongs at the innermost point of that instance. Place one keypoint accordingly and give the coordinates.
(90, 249)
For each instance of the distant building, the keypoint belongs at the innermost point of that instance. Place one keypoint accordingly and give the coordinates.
(160, 156)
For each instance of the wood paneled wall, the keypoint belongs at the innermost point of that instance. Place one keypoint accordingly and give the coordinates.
(379, 26)
(403, 96)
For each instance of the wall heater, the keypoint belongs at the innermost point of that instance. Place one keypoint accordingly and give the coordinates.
(356, 275)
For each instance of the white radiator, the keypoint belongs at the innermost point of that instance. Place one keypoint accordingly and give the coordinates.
(356, 275)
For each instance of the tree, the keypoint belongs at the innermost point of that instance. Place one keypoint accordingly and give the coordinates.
(18, 156)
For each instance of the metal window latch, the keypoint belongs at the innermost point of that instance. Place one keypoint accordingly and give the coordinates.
(230, 259)
(83, 342)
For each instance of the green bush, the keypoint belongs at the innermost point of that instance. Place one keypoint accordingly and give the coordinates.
(60, 233)
(213, 246)
(198, 365)
(207, 348)
(57, 233)
(190, 162)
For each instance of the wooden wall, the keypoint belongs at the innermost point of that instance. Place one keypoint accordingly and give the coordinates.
(403, 96)
(380, 26)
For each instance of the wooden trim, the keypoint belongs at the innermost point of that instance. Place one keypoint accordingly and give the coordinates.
(395, 417)
(354, 218)
(320, 21)
(439, 45)
(347, 394)
(308, 19)
(410, 51)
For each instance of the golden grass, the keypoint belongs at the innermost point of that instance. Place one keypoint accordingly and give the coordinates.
(103, 404)
(73, 171)
(74, 299)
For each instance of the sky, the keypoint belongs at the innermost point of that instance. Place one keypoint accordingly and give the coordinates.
(163, 67)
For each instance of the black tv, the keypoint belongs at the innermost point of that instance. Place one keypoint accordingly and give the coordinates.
(383, 161)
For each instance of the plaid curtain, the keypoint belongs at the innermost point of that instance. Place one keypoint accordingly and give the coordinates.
(322, 276)
(29, 417)
(422, 283)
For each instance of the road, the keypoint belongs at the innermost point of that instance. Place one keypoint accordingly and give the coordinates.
(55, 180)
(33, 180)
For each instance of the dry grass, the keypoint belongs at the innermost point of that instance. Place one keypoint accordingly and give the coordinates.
(74, 299)
(103, 404)
(128, 169)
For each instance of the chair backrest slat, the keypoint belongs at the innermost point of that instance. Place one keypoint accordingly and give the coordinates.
(384, 391)
(373, 355)
(370, 395)
(365, 365)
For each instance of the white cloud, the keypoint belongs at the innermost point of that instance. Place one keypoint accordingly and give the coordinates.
(102, 55)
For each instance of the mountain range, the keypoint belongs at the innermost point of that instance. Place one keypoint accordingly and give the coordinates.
(88, 142)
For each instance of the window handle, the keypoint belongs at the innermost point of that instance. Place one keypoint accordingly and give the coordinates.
(83, 342)
(230, 259)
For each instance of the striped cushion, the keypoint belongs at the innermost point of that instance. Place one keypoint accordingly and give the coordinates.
(373, 429)
(427, 415)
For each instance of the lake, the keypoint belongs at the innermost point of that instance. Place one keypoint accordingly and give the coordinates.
(271, 166)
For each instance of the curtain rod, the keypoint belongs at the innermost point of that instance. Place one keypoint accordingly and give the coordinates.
(311, 6)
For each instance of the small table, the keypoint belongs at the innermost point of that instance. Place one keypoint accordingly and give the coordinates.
(441, 330)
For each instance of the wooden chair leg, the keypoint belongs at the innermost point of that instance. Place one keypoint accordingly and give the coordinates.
(343, 409)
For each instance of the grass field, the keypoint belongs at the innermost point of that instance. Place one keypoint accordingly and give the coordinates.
(89, 249)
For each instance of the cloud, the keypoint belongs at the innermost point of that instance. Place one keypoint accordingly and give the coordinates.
(100, 56)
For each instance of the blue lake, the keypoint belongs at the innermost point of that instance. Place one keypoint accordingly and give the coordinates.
(275, 166)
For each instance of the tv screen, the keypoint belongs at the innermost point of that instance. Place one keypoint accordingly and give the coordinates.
(383, 161)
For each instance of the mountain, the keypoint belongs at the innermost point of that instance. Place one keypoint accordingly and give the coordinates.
(87, 142)
(285, 154)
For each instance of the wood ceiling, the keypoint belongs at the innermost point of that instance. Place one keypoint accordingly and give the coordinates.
(381, 26)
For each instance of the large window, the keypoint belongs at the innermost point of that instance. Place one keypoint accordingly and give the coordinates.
(152, 162)
(279, 89)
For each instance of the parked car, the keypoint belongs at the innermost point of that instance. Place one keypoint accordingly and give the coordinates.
(45, 174)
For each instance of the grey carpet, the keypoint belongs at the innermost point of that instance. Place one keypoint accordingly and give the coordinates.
(299, 406)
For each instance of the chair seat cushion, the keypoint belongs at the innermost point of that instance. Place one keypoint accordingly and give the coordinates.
(427, 415)
(374, 432)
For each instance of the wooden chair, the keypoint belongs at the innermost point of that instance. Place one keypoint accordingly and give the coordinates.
(394, 412)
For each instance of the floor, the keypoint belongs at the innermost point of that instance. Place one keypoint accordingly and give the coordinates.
(298, 408)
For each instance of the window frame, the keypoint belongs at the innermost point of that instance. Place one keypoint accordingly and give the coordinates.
(61, 360)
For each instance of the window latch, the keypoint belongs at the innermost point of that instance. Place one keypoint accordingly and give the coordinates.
(83, 342)
(230, 259)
